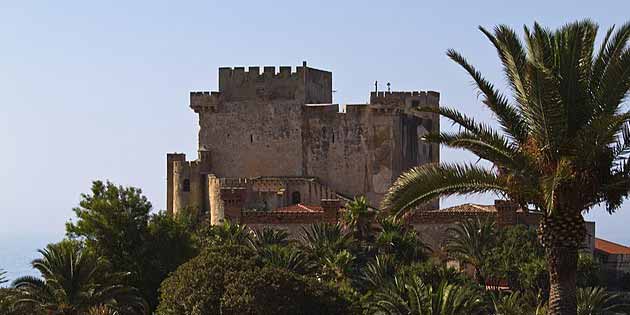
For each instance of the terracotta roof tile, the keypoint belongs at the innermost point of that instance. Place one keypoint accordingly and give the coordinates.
(300, 208)
(610, 247)
(468, 207)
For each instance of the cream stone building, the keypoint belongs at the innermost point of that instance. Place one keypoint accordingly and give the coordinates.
(272, 139)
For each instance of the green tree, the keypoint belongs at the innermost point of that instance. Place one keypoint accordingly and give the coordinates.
(470, 242)
(115, 222)
(74, 280)
(197, 286)
(277, 291)
(412, 296)
(563, 143)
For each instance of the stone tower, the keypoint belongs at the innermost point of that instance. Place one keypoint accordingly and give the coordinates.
(282, 125)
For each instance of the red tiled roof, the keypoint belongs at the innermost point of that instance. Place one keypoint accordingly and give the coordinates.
(469, 207)
(299, 208)
(610, 247)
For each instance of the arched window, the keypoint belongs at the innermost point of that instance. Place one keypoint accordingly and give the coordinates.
(295, 197)
(186, 185)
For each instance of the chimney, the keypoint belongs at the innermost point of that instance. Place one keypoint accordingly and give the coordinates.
(331, 209)
(506, 212)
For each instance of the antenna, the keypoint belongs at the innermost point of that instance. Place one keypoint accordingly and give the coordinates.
(376, 86)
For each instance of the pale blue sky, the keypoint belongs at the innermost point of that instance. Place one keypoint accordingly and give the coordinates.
(100, 90)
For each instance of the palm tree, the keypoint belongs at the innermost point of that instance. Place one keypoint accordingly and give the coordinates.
(470, 242)
(596, 301)
(267, 237)
(413, 297)
(75, 280)
(286, 257)
(322, 238)
(379, 272)
(357, 218)
(563, 143)
(227, 233)
(398, 239)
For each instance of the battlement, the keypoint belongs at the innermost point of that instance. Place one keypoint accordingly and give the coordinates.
(254, 73)
(205, 101)
(409, 99)
(305, 84)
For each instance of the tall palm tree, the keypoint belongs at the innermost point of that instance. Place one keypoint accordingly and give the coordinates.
(563, 143)
(414, 297)
(75, 280)
(470, 241)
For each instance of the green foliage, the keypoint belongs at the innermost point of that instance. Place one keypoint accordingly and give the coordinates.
(197, 286)
(413, 296)
(227, 233)
(75, 279)
(289, 258)
(401, 241)
(229, 280)
(115, 222)
(596, 301)
(563, 144)
(589, 274)
(276, 291)
(470, 241)
(268, 236)
(3, 279)
(357, 218)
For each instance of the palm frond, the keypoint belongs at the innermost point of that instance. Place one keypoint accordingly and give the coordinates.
(424, 183)
(507, 115)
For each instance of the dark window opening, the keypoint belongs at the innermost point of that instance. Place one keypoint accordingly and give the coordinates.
(186, 185)
(251, 138)
(333, 137)
(323, 132)
(295, 197)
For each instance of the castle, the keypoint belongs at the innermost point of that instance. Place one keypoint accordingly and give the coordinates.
(272, 142)
(274, 151)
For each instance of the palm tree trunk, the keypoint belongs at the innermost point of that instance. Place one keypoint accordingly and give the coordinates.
(562, 277)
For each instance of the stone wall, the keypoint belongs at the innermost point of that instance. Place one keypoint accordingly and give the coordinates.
(281, 124)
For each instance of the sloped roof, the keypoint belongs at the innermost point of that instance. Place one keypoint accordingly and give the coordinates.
(468, 207)
(611, 247)
(299, 208)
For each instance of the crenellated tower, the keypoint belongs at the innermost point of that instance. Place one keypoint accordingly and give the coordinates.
(280, 123)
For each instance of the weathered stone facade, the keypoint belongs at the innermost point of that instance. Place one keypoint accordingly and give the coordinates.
(278, 133)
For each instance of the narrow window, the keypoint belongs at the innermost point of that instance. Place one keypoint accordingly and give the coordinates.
(186, 185)
(296, 198)
(333, 137)
(251, 138)
(323, 132)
